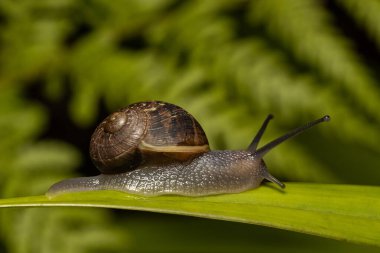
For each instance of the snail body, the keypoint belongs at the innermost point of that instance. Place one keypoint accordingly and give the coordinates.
(214, 172)
(166, 152)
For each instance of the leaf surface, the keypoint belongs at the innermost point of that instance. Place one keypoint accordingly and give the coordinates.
(343, 212)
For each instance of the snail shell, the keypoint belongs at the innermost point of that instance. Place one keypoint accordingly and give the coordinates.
(141, 133)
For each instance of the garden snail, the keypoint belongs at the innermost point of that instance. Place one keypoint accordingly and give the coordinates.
(156, 148)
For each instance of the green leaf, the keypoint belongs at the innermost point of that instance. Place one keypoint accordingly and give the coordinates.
(343, 212)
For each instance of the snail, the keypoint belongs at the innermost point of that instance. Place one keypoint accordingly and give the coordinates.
(156, 148)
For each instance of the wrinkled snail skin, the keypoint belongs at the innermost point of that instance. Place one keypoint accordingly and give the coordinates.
(214, 172)
(156, 148)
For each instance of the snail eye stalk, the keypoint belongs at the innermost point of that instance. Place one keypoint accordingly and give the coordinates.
(266, 148)
(253, 146)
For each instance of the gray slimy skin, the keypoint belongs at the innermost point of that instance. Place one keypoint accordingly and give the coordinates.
(214, 172)
(210, 173)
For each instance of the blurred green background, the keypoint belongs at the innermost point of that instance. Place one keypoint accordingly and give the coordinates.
(66, 64)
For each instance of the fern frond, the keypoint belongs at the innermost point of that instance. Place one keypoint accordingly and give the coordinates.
(305, 28)
(29, 167)
(366, 15)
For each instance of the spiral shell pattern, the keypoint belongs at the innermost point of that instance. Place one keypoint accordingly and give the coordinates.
(122, 140)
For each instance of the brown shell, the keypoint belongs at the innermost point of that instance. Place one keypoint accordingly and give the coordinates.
(131, 135)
